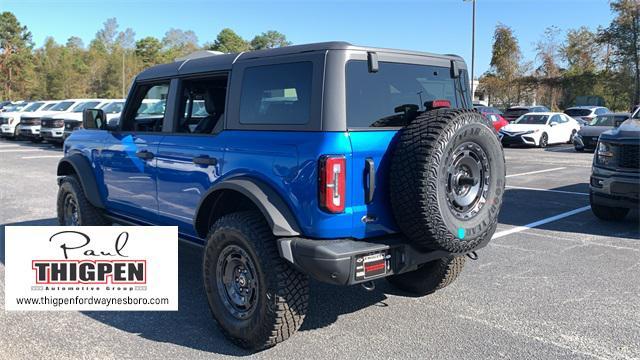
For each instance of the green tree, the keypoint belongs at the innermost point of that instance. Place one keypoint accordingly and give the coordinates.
(548, 73)
(581, 51)
(228, 41)
(268, 40)
(16, 66)
(177, 42)
(149, 51)
(502, 80)
(623, 35)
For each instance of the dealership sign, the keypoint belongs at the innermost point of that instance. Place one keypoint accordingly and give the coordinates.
(91, 268)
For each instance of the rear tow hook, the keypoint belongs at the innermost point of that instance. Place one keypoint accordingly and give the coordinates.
(472, 255)
(369, 285)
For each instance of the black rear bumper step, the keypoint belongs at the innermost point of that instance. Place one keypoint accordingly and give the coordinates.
(336, 261)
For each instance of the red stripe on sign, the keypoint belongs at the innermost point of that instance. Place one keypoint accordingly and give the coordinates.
(374, 267)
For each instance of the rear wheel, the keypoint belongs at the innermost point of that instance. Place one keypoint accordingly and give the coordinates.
(430, 276)
(447, 180)
(256, 297)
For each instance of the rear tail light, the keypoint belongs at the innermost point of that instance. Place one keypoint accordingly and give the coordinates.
(332, 174)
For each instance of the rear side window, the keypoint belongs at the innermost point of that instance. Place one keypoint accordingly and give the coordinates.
(578, 112)
(276, 94)
(392, 96)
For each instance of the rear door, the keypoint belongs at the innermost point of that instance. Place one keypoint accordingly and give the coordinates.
(378, 105)
(190, 158)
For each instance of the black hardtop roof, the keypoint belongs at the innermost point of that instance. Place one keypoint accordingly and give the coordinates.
(225, 61)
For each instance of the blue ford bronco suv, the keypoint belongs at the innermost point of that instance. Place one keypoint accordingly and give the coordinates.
(342, 163)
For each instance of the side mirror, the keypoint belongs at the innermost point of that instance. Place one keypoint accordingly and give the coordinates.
(553, 124)
(94, 119)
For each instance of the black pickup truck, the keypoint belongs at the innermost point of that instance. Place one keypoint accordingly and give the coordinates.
(615, 175)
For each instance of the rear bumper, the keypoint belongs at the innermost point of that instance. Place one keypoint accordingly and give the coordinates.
(341, 261)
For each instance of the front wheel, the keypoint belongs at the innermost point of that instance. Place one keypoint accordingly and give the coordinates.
(429, 277)
(544, 141)
(256, 297)
(74, 209)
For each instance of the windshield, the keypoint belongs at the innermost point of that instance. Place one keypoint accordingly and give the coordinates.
(608, 120)
(578, 112)
(62, 106)
(532, 119)
(49, 106)
(33, 107)
(85, 105)
(113, 108)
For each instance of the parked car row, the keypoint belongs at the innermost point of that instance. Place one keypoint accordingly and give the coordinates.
(52, 120)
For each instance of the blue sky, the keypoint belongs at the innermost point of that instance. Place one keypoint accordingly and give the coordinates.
(440, 26)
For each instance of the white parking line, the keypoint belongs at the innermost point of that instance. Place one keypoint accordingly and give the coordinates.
(42, 157)
(532, 225)
(536, 172)
(548, 190)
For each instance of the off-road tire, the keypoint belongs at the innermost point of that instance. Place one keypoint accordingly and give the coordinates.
(608, 213)
(419, 178)
(88, 215)
(430, 276)
(283, 292)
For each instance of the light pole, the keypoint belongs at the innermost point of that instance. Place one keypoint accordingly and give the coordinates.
(473, 42)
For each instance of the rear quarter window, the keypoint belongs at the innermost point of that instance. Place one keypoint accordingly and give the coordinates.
(392, 96)
(276, 94)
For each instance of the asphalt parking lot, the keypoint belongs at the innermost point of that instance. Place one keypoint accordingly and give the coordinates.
(554, 283)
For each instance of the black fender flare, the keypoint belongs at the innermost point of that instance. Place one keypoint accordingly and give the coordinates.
(84, 172)
(275, 210)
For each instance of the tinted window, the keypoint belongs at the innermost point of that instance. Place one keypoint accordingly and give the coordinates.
(578, 112)
(149, 105)
(113, 108)
(515, 112)
(608, 120)
(86, 105)
(601, 111)
(49, 106)
(62, 106)
(276, 94)
(555, 119)
(393, 95)
(32, 107)
(532, 119)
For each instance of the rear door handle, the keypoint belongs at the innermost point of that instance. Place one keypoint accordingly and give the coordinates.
(370, 180)
(205, 160)
(144, 155)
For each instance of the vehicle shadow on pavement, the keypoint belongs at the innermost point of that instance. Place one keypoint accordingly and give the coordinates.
(39, 222)
(192, 325)
(522, 207)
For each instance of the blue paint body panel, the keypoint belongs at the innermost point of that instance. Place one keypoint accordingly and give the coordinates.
(167, 189)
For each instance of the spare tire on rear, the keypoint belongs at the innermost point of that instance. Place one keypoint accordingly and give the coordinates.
(447, 180)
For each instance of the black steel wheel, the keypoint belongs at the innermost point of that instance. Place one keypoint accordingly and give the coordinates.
(236, 281)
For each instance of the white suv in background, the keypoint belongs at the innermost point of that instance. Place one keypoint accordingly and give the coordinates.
(30, 123)
(52, 126)
(585, 114)
(9, 120)
(112, 110)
